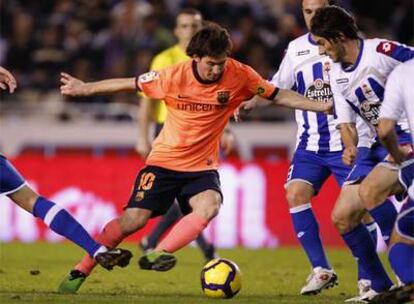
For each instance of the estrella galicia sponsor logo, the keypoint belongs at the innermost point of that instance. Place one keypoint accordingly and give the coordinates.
(303, 52)
(223, 96)
(319, 91)
(342, 80)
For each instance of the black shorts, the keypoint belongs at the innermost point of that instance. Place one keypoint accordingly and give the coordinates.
(156, 188)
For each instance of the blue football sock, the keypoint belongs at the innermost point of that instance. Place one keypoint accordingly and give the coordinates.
(363, 249)
(61, 222)
(385, 216)
(307, 231)
(372, 229)
(401, 257)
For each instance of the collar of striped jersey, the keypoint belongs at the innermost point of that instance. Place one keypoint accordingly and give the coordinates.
(311, 39)
(351, 68)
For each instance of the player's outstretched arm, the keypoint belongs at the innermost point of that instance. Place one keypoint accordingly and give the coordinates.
(7, 80)
(291, 99)
(71, 86)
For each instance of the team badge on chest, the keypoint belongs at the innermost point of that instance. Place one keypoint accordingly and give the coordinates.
(223, 96)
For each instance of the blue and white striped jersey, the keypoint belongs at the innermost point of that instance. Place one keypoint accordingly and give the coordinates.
(359, 90)
(306, 72)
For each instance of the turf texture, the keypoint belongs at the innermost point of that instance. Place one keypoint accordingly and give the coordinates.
(30, 273)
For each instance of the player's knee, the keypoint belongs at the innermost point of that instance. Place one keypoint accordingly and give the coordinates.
(367, 195)
(341, 222)
(212, 210)
(207, 204)
(336, 220)
(295, 197)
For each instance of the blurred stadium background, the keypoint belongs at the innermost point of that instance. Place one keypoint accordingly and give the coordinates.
(80, 152)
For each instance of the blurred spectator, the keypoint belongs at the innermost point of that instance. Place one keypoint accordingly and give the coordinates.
(21, 44)
(48, 59)
(97, 39)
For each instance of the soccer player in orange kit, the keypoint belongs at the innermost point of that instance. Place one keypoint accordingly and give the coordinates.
(200, 95)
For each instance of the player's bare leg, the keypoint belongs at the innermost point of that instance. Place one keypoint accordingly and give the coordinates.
(205, 206)
(25, 198)
(346, 216)
(299, 194)
(348, 210)
(374, 191)
(381, 183)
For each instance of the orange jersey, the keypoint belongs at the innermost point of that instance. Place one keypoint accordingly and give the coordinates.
(198, 111)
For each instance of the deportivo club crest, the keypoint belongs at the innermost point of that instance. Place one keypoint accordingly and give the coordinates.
(369, 110)
(223, 96)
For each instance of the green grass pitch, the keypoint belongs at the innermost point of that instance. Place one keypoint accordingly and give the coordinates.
(269, 276)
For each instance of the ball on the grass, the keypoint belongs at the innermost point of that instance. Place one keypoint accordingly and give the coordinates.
(221, 278)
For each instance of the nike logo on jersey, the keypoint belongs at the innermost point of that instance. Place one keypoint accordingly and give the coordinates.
(300, 234)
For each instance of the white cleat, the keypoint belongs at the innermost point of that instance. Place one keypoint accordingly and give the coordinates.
(363, 286)
(320, 278)
(363, 298)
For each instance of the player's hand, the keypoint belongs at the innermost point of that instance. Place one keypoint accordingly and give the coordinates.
(7, 80)
(329, 108)
(143, 148)
(244, 108)
(404, 152)
(71, 86)
(227, 142)
(349, 155)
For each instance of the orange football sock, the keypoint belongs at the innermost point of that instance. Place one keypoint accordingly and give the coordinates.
(110, 237)
(185, 231)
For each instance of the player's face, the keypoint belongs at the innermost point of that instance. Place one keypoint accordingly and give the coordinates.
(309, 8)
(187, 26)
(334, 49)
(210, 68)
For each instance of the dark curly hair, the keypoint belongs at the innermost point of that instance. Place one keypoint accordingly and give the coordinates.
(212, 40)
(331, 21)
